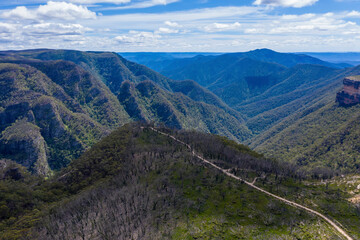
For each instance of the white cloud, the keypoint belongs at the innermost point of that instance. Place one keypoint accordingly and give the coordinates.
(52, 10)
(218, 27)
(172, 24)
(244, 27)
(54, 29)
(145, 4)
(167, 30)
(286, 3)
(301, 26)
(99, 1)
(298, 17)
(20, 12)
(139, 38)
(353, 14)
(183, 16)
(7, 28)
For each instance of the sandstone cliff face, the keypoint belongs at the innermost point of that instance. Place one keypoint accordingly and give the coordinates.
(350, 94)
(24, 143)
(43, 127)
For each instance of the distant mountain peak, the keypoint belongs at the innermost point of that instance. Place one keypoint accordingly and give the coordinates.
(263, 50)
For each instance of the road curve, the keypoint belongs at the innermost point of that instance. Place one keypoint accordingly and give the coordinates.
(291, 203)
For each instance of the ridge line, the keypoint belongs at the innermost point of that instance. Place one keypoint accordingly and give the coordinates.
(288, 202)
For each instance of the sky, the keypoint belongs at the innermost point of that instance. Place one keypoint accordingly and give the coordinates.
(181, 25)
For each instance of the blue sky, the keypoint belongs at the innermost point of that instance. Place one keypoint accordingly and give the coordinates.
(181, 25)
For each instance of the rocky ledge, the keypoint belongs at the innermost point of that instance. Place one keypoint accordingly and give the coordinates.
(350, 94)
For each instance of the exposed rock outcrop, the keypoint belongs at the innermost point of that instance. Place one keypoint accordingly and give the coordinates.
(24, 143)
(350, 94)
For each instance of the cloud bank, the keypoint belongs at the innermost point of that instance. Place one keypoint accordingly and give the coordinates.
(286, 3)
(52, 10)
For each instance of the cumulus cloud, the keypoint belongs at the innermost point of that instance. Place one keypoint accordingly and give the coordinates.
(226, 28)
(172, 24)
(138, 38)
(219, 27)
(167, 30)
(310, 24)
(353, 14)
(54, 29)
(20, 12)
(7, 28)
(286, 3)
(52, 10)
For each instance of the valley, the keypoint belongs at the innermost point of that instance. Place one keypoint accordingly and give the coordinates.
(287, 97)
(179, 120)
(91, 141)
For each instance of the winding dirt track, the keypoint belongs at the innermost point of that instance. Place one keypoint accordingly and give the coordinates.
(294, 204)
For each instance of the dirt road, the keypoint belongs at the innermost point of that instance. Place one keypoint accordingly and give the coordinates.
(291, 203)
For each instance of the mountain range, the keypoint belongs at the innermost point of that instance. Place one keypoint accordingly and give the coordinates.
(94, 146)
(276, 93)
(56, 104)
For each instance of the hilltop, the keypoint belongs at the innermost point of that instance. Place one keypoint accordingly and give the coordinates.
(153, 188)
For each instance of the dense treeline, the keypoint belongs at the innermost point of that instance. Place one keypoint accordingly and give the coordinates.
(58, 103)
(324, 140)
(138, 184)
(230, 155)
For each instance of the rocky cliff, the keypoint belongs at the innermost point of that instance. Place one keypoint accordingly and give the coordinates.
(350, 94)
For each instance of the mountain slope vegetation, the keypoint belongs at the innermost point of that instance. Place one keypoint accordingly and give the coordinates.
(58, 103)
(321, 133)
(287, 101)
(136, 183)
(43, 127)
(245, 80)
(324, 138)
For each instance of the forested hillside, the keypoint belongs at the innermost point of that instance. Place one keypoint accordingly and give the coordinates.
(57, 103)
(263, 85)
(288, 101)
(136, 183)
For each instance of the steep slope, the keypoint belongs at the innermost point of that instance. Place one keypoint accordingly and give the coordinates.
(289, 108)
(147, 102)
(139, 184)
(325, 138)
(113, 70)
(58, 103)
(303, 85)
(244, 79)
(238, 77)
(322, 133)
(233, 80)
(43, 126)
(265, 93)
